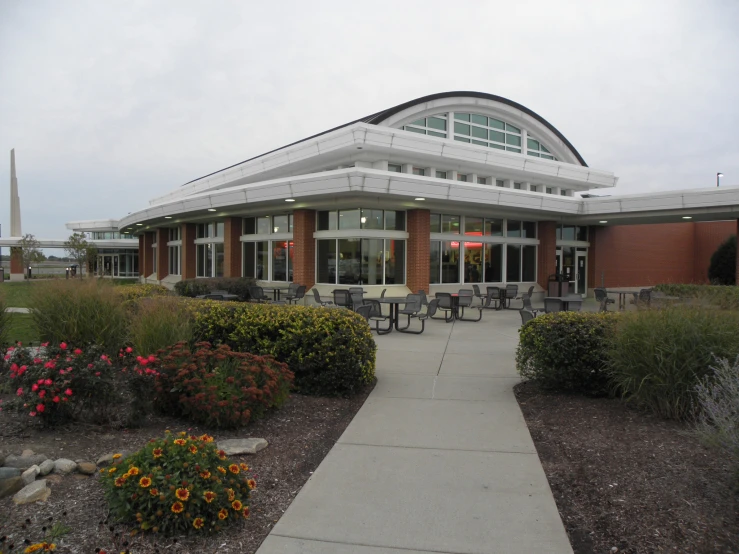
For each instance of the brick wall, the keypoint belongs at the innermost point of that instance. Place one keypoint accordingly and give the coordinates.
(708, 237)
(187, 252)
(304, 248)
(232, 247)
(16, 261)
(419, 250)
(146, 254)
(547, 252)
(162, 236)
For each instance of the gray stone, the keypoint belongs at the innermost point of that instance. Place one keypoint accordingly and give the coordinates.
(8, 472)
(64, 466)
(108, 458)
(36, 491)
(46, 467)
(86, 468)
(10, 486)
(24, 462)
(2, 457)
(233, 447)
(29, 476)
(27, 453)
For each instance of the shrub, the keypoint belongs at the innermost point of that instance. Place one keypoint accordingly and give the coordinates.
(79, 312)
(178, 485)
(722, 269)
(67, 384)
(331, 352)
(726, 298)
(717, 397)
(156, 323)
(132, 293)
(658, 357)
(233, 285)
(218, 387)
(566, 351)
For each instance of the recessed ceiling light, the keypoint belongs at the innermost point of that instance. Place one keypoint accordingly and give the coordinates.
(687, 217)
(420, 199)
(604, 221)
(211, 209)
(167, 217)
(289, 199)
(140, 224)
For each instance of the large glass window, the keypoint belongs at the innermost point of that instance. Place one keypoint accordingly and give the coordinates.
(263, 225)
(364, 218)
(528, 263)
(434, 125)
(371, 219)
(450, 224)
(450, 262)
(326, 268)
(174, 260)
(494, 227)
(355, 261)
(513, 263)
(537, 149)
(493, 263)
(280, 224)
(328, 221)
(487, 131)
(473, 256)
(282, 260)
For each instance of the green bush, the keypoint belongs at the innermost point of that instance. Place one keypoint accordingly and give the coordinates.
(178, 485)
(722, 269)
(131, 293)
(156, 323)
(233, 285)
(723, 297)
(330, 351)
(566, 351)
(217, 387)
(79, 312)
(658, 357)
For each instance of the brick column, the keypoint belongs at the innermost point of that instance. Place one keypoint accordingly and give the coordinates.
(162, 253)
(232, 247)
(419, 250)
(146, 254)
(16, 262)
(187, 252)
(304, 248)
(547, 252)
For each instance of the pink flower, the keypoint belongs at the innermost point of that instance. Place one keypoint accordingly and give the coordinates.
(10, 349)
(13, 367)
(19, 392)
(97, 374)
(61, 372)
(77, 351)
(44, 344)
(37, 361)
(68, 392)
(48, 382)
(129, 349)
(152, 358)
(32, 414)
(143, 361)
(56, 399)
(41, 393)
(50, 365)
(40, 381)
(34, 388)
(40, 408)
(103, 357)
(63, 346)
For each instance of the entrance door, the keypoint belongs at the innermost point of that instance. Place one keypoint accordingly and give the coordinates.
(581, 275)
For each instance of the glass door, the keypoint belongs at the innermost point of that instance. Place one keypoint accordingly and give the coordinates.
(581, 276)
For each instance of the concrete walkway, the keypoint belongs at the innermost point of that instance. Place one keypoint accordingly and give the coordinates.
(439, 458)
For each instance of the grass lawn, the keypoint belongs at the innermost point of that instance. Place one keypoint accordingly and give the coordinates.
(21, 329)
(17, 294)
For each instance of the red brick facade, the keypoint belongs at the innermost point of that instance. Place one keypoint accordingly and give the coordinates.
(146, 254)
(304, 248)
(419, 250)
(187, 252)
(162, 237)
(547, 252)
(16, 261)
(232, 247)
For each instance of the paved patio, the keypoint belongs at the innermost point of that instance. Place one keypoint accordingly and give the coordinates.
(439, 458)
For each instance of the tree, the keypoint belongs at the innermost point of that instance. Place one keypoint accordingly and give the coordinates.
(31, 251)
(80, 250)
(722, 270)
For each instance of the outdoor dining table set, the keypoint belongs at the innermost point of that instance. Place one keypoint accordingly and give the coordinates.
(294, 293)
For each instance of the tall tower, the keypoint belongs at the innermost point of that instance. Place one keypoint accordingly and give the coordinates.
(15, 201)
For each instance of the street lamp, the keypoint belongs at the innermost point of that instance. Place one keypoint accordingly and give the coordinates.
(718, 176)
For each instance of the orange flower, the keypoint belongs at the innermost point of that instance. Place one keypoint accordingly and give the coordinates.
(233, 468)
(157, 453)
(112, 470)
(245, 512)
(252, 484)
(116, 456)
(177, 507)
(133, 470)
(120, 481)
(144, 482)
(222, 454)
(237, 505)
(198, 523)
(180, 442)
(222, 469)
(231, 495)
(244, 467)
(182, 434)
(182, 494)
(206, 438)
(205, 474)
(153, 492)
(209, 496)
(223, 513)
(193, 448)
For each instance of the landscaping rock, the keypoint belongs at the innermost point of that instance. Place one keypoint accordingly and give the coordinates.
(10, 486)
(9, 472)
(64, 466)
(46, 467)
(36, 491)
(24, 462)
(2, 457)
(233, 447)
(86, 468)
(108, 458)
(27, 453)
(29, 476)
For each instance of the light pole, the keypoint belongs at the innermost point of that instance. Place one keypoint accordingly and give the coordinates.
(718, 176)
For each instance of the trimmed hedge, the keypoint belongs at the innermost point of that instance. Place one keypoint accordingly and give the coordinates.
(131, 293)
(330, 351)
(567, 351)
(233, 285)
(722, 296)
(722, 269)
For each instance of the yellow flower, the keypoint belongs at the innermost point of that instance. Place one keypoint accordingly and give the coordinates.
(221, 469)
(177, 508)
(223, 513)
(157, 452)
(144, 482)
(182, 494)
(209, 496)
(233, 468)
(237, 505)
(116, 456)
(180, 442)
(252, 484)
(182, 433)
(244, 467)
(198, 523)
(193, 449)
(112, 470)
(231, 494)
(205, 474)
(133, 470)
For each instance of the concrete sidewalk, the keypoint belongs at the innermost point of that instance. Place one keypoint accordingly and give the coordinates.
(439, 458)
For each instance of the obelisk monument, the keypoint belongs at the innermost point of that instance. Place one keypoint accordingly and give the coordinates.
(16, 255)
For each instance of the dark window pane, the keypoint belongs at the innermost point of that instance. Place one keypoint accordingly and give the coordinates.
(326, 261)
(494, 227)
(435, 223)
(279, 260)
(493, 263)
(472, 262)
(513, 264)
(373, 258)
(219, 259)
(568, 232)
(529, 263)
(394, 221)
(435, 262)
(250, 226)
(250, 249)
(394, 262)
(349, 219)
(262, 260)
(371, 219)
(514, 228)
(473, 226)
(280, 224)
(350, 261)
(582, 233)
(529, 229)
(450, 224)
(450, 262)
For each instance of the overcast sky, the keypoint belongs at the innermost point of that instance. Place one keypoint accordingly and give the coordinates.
(109, 104)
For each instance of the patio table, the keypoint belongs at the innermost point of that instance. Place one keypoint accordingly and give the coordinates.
(566, 300)
(393, 302)
(622, 294)
(276, 291)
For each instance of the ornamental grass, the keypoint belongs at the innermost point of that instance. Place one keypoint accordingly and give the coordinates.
(178, 484)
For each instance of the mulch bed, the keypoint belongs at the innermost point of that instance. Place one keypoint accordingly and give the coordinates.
(300, 434)
(626, 479)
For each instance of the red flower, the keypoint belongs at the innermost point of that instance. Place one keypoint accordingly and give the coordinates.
(68, 392)
(77, 351)
(63, 346)
(129, 349)
(48, 382)
(56, 399)
(34, 388)
(32, 414)
(40, 408)
(42, 393)
(19, 392)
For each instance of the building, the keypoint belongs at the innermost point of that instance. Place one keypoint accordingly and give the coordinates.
(443, 191)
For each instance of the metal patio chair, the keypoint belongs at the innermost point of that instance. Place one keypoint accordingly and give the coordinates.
(492, 299)
(527, 304)
(376, 316)
(601, 296)
(466, 296)
(412, 309)
(643, 298)
(424, 300)
(343, 299)
(322, 301)
(298, 294)
(364, 311)
(526, 316)
(552, 305)
(511, 293)
(445, 305)
(256, 294)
